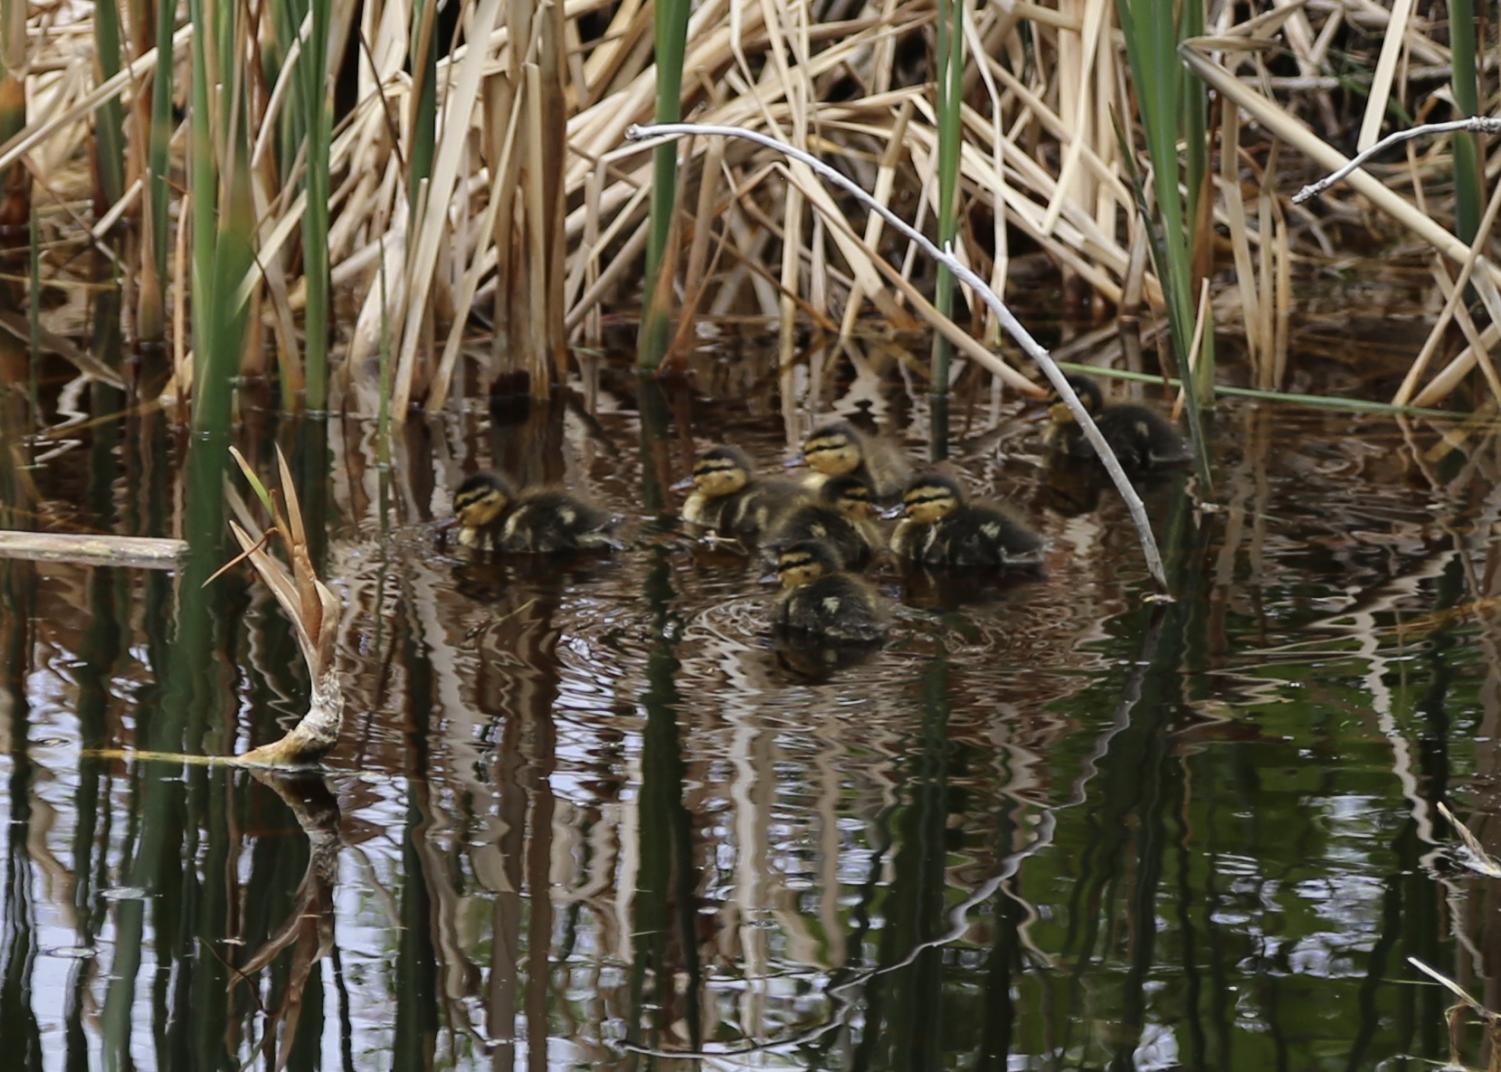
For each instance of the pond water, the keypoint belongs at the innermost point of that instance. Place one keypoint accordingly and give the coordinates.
(587, 815)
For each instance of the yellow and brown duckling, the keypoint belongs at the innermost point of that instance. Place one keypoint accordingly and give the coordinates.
(493, 516)
(819, 600)
(841, 449)
(730, 499)
(842, 517)
(940, 527)
(1140, 437)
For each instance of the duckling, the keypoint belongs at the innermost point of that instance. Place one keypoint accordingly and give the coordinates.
(819, 600)
(940, 528)
(1140, 437)
(730, 500)
(841, 517)
(839, 449)
(493, 516)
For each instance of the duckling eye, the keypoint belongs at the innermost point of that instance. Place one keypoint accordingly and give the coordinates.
(923, 498)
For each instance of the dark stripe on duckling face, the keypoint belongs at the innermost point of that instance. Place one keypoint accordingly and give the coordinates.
(1089, 397)
(850, 495)
(803, 563)
(833, 453)
(479, 501)
(719, 474)
(927, 503)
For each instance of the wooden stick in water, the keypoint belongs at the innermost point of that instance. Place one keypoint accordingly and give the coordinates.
(135, 552)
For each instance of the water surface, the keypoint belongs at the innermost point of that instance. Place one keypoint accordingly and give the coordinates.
(589, 815)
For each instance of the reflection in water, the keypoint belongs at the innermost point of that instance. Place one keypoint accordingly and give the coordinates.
(590, 814)
(307, 934)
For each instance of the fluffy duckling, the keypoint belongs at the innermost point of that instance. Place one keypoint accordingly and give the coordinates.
(940, 528)
(841, 517)
(1140, 437)
(841, 449)
(819, 600)
(493, 516)
(728, 498)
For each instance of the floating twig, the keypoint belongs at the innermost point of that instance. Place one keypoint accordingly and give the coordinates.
(138, 552)
(1004, 316)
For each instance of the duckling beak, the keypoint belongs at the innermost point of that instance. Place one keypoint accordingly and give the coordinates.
(682, 485)
(891, 513)
(792, 463)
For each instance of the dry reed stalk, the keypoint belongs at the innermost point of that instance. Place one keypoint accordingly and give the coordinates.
(1202, 316)
(1435, 335)
(314, 611)
(1041, 159)
(1386, 66)
(1235, 210)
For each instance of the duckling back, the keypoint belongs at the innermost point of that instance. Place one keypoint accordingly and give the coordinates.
(546, 521)
(749, 513)
(819, 521)
(884, 466)
(1142, 438)
(974, 536)
(837, 607)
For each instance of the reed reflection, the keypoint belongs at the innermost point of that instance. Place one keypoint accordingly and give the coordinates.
(291, 994)
(664, 937)
(18, 593)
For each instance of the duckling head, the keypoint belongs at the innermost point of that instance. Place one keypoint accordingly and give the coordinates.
(1089, 396)
(804, 562)
(931, 497)
(834, 449)
(481, 498)
(850, 495)
(721, 471)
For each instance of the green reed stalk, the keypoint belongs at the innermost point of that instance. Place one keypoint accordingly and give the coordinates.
(1200, 230)
(1467, 99)
(15, 181)
(1152, 35)
(151, 312)
(950, 142)
(34, 304)
(1254, 394)
(383, 419)
(424, 55)
(672, 38)
(313, 68)
(223, 217)
(109, 117)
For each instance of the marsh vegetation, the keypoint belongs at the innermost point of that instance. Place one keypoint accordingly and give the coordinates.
(1118, 809)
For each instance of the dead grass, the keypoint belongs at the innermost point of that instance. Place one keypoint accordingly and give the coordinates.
(534, 214)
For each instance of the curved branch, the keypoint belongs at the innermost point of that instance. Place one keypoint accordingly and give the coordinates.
(1023, 337)
(1475, 124)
